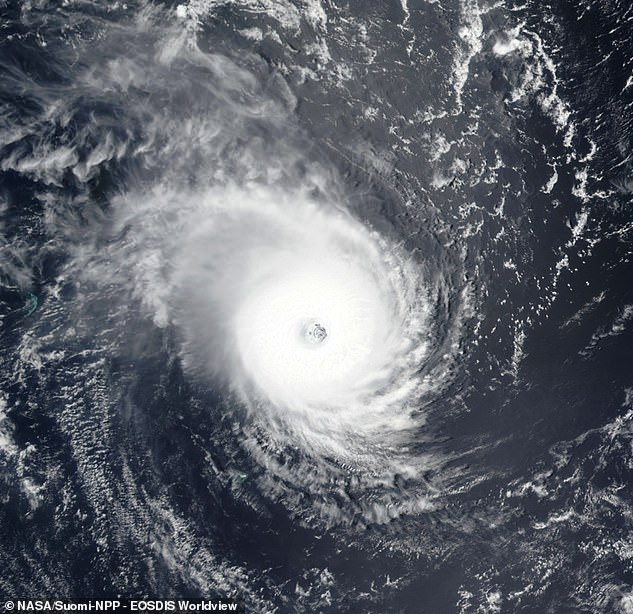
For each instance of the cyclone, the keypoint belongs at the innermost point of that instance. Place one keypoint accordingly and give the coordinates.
(317, 323)
(317, 306)
(312, 332)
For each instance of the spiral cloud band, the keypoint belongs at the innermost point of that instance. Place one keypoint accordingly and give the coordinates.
(315, 320)
(316, 337)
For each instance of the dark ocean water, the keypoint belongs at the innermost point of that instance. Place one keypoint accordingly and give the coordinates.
(146, 150)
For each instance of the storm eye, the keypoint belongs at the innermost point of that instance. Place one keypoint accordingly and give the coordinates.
(315, 332)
